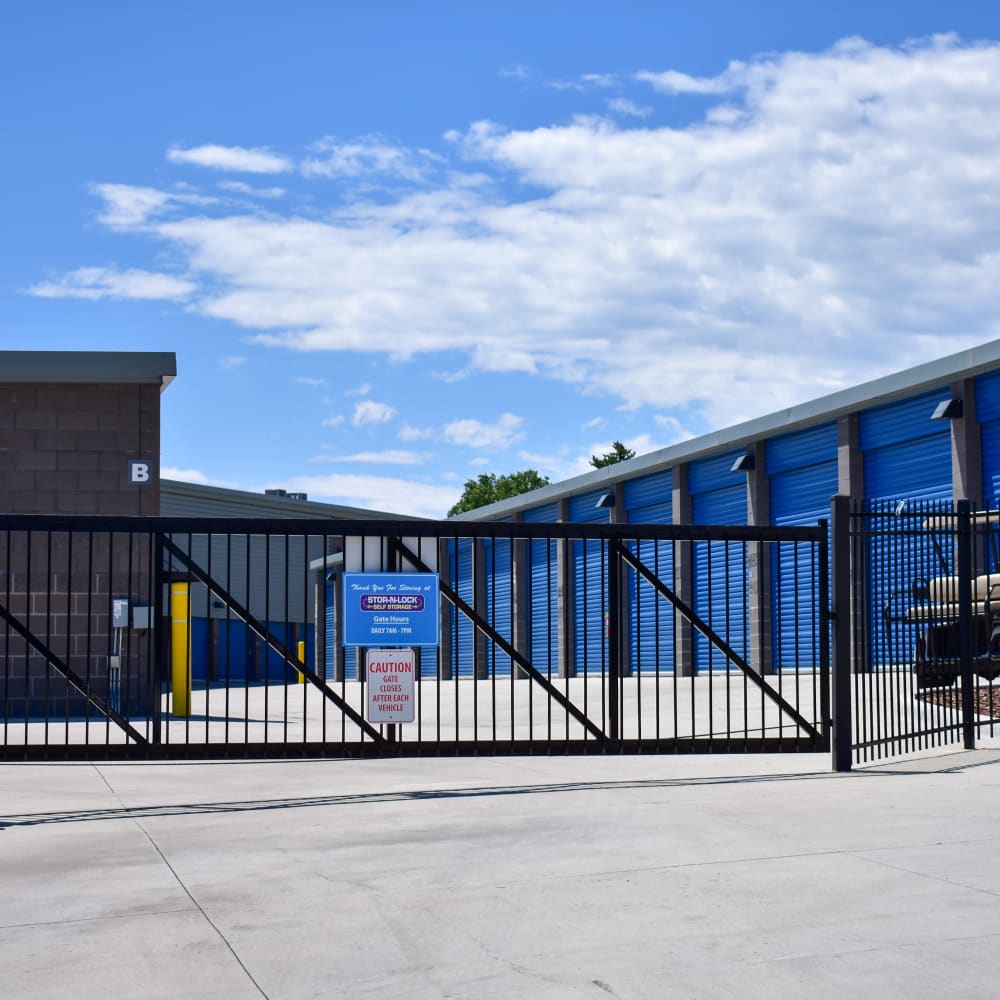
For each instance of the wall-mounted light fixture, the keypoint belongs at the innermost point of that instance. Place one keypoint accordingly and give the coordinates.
(606, 500)
(745, 463)
(947, 409)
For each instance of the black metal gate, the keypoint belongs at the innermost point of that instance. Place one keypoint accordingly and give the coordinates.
(917, 647)
(177, 637)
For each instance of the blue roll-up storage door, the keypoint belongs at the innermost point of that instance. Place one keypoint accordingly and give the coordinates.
(589, 585)
(218, 651)
(461, 630)
(330, 625)
(646, 498)
(907, 456)
(199, 650)
(352, 654)
(543, 594)
(802, 477)
(719, 496)
(234, 663)
(988, 416)
(907, 472)
(499, 593)
(991, 464)
(649, 500)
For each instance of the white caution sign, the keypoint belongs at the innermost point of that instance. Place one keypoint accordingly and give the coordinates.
(391, 695)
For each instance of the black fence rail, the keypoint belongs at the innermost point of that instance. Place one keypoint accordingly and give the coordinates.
(177, 637)
(920, 645)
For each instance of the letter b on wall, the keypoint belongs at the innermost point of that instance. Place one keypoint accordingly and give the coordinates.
(139, 472)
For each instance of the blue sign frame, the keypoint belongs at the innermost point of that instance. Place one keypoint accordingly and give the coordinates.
(392, 609)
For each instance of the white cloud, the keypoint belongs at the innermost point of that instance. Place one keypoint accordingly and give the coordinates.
(107, 283)
(676, 430)
(127, 206)
(233, 158)
(641, 444)
(383, 493)
(590, 424)
(563, 464)
(836, 218)
(239, 187)
(370, 412)
(333, 421)
(516, 72)
(673, 82)
(231, 361)
(361, 390)
(195, 476)
(623, 106)
(306, 380)
(585, 82)
(450, 378)
(558, 466)
(391, 456)
(410, 433)
(475, 434)
(368, 155)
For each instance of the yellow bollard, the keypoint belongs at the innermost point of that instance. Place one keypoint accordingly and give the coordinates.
(180, 649)
(302, 659)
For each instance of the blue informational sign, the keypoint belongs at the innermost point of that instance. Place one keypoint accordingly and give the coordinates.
(391, 609)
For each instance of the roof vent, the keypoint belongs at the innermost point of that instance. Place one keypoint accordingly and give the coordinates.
(286, 494)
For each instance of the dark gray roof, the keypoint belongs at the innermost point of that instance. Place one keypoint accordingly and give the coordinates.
(132, 367)
(953, 368)
(179, 499)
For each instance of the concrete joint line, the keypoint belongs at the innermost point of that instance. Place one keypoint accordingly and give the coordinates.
(156, 847)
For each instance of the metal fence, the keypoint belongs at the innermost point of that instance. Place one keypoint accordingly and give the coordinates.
(919, 647)
(177, 637)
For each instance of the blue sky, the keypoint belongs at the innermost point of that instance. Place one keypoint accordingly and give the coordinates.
(395, 245)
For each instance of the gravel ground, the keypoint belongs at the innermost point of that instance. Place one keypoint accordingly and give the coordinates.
(986, 699)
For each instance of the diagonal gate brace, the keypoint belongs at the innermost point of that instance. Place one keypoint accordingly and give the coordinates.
(716, 640)
(483, 626)
(260, 630)
(72, 678)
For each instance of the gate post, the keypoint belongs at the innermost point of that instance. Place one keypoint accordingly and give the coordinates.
(842, 755)
(826, 636)
(964, 568)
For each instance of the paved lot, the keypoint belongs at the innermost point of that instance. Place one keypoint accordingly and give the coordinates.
(697, 877)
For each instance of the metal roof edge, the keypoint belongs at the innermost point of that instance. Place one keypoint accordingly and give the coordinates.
(280, 505)
(133, 367)
(942, 371)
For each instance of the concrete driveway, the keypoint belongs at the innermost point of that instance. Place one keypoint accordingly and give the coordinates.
(693, 877)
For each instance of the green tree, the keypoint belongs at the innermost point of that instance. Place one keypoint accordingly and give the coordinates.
(489, 488)
(618, 453)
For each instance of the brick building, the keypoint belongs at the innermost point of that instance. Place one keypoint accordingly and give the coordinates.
(79, 434)
(80, 431)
